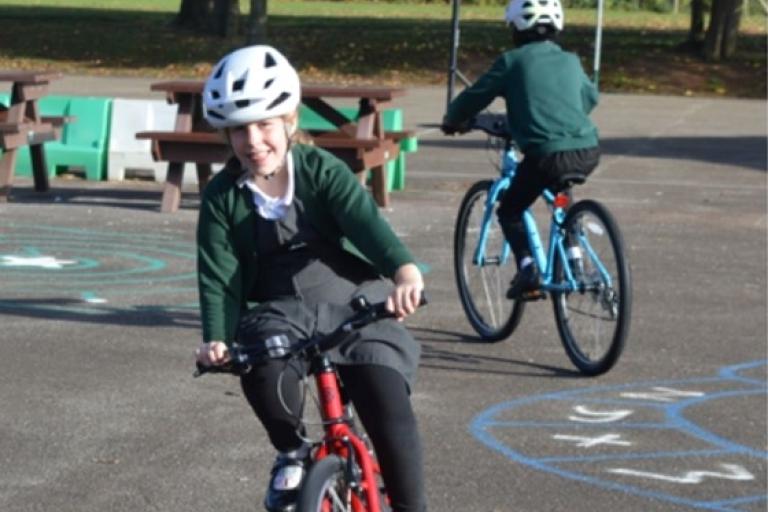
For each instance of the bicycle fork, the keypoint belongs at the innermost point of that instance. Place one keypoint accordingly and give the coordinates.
(339, 439)
(497, 188)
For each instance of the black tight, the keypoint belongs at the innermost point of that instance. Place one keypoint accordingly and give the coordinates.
(381, 398)
(533, 175)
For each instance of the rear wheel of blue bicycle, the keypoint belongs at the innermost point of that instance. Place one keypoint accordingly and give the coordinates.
(483, 287)
(593, 321)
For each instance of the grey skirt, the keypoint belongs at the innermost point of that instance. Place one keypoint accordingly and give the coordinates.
(386, 342)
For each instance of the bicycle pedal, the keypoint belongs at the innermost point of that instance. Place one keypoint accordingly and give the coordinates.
(533, 295)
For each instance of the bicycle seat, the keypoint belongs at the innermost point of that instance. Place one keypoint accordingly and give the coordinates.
(570, 179)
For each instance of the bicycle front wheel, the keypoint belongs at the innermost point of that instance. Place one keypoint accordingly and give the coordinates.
(483, 287)
(593, 321)
(327, 489)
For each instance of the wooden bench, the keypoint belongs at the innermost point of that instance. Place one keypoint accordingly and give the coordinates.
(362, 143)
(209, 148)
(22, 125)
(57, 122)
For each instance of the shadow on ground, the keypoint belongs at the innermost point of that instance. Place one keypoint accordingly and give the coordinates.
(747, 152)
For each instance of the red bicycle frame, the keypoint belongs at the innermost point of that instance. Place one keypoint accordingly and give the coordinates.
(339, 437)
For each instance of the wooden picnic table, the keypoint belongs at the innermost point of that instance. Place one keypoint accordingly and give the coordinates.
(362, 143)
(22, 125)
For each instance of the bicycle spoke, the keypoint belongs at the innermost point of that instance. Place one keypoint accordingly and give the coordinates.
(482, 288)
(338, 502)
(593, 321)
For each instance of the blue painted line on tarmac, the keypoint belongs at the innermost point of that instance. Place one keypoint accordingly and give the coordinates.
(491, 442)
(634, 456)
(681, 423)
(89, 232)
(674, 421)
(106, 265)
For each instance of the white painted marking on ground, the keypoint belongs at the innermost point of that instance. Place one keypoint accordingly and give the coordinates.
(589, 416)
(51, 262)
(589, 442)
(662, 394)
(731, 472)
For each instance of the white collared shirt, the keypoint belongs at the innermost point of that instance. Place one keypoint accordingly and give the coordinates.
(269, 207)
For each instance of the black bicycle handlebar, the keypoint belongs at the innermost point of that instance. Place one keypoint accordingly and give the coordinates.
(242, 358)
(494, 125)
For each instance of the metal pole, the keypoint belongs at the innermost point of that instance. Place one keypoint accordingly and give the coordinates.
(454, 51)
(598, 42)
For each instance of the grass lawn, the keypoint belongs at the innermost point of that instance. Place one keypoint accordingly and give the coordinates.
(367, 42)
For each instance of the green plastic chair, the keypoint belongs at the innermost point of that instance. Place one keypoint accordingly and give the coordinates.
(84, 142)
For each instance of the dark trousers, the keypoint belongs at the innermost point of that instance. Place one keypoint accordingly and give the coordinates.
(380, 397)
(533, 175)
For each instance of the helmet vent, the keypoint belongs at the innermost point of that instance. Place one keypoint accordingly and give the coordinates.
(242, 103)
(268, 83)
(217, 75)
(269, 61)
(237, 85)
(283, 96)
(215, 95)
(213, 113)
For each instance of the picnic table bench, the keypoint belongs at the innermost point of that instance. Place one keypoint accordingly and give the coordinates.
(21, 124)
(362, 143)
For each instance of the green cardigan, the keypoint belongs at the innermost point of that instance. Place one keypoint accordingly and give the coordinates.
(337, 206)
(548, 98)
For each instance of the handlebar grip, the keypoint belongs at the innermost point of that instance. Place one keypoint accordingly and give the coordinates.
(201, 369)
(231, 367)
(380, 308)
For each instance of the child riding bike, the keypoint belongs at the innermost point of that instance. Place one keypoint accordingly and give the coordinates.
(275, 228)
(548, 98)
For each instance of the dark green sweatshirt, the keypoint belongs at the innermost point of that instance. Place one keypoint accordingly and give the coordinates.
(548, 98)
(338, 207)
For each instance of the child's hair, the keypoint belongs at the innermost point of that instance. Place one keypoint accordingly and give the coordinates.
(534, 34)
(295, 134)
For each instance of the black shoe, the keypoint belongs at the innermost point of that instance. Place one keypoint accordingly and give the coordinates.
(525, 285)
(287, 475)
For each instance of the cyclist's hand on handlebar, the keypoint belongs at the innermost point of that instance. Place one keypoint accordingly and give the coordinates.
(213, 353)
(406, 296)
(452, 129)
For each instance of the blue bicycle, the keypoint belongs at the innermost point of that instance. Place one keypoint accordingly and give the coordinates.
(584, 267)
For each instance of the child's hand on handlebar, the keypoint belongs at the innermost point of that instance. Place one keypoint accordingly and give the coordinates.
(213, 353)
(406, 296)
(452, 129)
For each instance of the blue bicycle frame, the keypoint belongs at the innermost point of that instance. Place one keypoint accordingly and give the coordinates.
(556, 248)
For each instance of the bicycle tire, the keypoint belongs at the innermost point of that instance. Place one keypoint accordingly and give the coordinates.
(482, 290)
(584, 317)
(326, 489)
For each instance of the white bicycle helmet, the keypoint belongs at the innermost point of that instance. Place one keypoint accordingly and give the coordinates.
(249, 85)
(526, 14)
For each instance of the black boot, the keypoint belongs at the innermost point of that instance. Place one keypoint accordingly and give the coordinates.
(525, 285)
(288, 473)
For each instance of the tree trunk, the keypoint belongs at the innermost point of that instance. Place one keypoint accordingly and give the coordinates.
(257, 23)
(226, 16)
(193, 14)
(696, 33)
(731, 29)
(720, 41)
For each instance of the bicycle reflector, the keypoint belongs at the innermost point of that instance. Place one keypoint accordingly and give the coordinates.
(561, 200)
